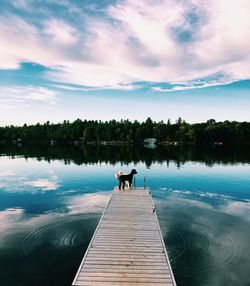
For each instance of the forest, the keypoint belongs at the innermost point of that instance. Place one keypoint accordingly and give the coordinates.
(128, 132)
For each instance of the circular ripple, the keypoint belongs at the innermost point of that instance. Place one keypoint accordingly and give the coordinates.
(200, 247)
(63, 231)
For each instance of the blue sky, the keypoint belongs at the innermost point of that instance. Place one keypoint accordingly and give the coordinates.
(124, 59)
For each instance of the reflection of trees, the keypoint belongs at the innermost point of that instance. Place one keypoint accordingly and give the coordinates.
(90, 154)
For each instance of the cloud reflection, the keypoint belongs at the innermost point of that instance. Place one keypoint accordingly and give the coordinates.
(88, 203)
(206, 200)
(43, 184)
(6, 173)
(238, 208)
(12, 183)
(9, 216)
(25, 229)
(205, 232)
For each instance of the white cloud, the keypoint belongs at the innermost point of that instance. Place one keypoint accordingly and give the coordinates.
(67, 87)
(148, 25)
(193, 85)
(157, 41)
(21, 4)
(24, 42)
(223, 43)
(25, 95)
(60, 32)
(19, 42)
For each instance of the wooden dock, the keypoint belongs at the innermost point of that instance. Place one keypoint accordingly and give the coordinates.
(127, 248)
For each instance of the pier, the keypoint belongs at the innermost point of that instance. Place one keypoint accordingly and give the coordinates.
(127, 248)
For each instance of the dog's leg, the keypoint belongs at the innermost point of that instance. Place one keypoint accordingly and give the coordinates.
(120, 184)
(123, 185)
(130, 184)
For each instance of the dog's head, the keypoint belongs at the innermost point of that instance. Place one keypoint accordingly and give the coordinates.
(133, 171)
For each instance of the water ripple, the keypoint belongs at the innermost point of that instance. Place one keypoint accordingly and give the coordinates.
(63, 231)
(208, 249)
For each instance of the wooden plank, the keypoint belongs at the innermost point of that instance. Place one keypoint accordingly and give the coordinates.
(127, 233)
(130, 258)
(123, 279)
(122, 244)
(125, 257)
(124, 231)
(119, 253)
(147, 251)
(126, 271)
(122, 238)
(118, 262)
(95, 283)
(122, 275)
(120, 267)
(140, 251)
(128, 223)
(127, 248)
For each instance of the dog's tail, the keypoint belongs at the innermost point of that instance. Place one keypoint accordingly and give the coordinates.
(118, 175)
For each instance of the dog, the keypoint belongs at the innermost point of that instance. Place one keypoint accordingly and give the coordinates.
(118, 176)
(125, 178)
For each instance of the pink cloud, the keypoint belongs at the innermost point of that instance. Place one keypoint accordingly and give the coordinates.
(134, 42)
(60, 32)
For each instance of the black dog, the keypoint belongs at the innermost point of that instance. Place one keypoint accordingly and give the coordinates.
(124, 178)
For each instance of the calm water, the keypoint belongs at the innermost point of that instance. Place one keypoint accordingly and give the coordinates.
(52, 198)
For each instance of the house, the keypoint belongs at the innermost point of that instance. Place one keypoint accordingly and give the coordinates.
(150, 142)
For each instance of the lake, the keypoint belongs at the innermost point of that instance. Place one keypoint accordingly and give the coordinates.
(52, 197)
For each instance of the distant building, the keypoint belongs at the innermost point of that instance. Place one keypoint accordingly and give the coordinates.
(150, 142)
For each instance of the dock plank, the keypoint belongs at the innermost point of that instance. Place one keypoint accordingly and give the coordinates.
(127, 248)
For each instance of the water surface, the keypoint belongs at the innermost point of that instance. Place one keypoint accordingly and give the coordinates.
(51, 199)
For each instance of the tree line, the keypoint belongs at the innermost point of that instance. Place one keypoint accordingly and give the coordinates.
(128, 132)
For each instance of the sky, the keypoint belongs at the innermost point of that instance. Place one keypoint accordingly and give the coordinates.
(124, 59)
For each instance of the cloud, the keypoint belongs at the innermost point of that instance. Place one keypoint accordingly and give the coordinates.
(22, 4)
(68, 87)
(147, 25)
(22, 41)
(129, 41)
(60, 32)
(216, 80)
(25, 95)
(126, 87)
